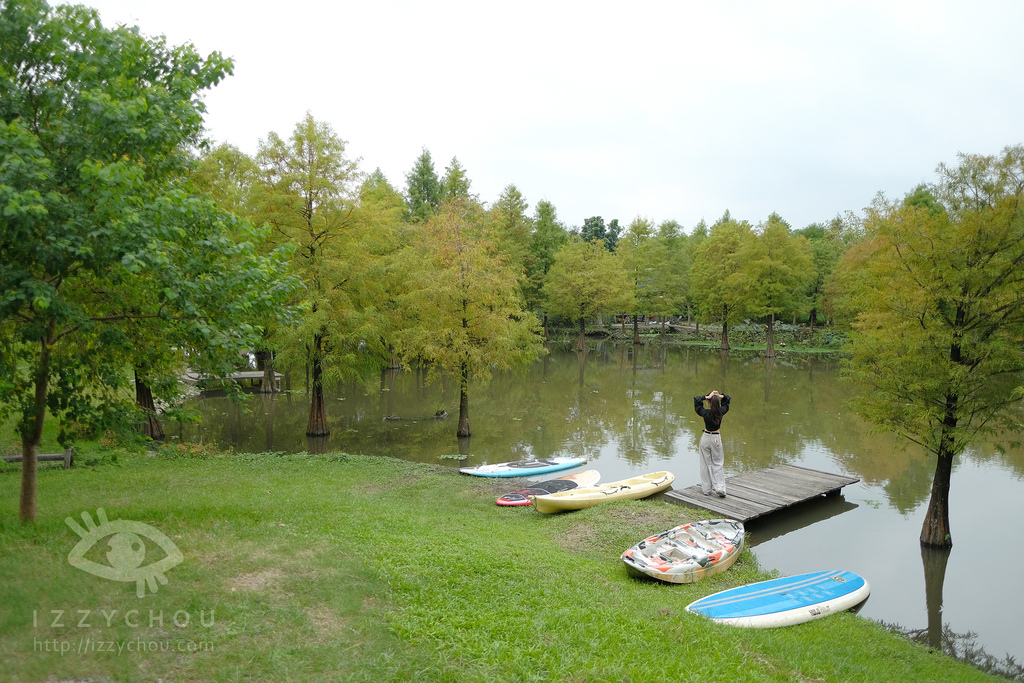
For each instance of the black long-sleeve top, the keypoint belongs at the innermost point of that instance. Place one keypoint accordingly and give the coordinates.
(709, 423)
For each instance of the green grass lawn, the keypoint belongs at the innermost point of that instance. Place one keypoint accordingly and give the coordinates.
(344, 567)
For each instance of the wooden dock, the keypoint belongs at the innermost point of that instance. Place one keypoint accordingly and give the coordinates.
(754, 494)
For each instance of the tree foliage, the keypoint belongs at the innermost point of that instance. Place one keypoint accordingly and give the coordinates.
(309, 197)
(585, 280)
(775, 270)
(107, 259)
(640, 258)
(423, 188)
(512, 230)
(939, 283)
(455, 183)
(595, 230)
(465, 314)
(715, 278)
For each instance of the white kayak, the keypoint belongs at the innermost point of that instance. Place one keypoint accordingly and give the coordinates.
(626, 489)
(687, 553)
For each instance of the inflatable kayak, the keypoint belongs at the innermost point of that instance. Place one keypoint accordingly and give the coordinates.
(687, 553)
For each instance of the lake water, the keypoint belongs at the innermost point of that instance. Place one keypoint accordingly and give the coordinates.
(631, 412)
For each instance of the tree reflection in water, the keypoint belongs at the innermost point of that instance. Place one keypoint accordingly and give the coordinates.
(964, 647)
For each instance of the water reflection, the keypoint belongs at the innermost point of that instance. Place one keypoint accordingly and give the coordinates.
(798, 517)
(630, 411)
(934, 561)
(613, 403)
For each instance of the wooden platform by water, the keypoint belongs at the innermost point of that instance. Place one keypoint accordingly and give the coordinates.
(754, 494)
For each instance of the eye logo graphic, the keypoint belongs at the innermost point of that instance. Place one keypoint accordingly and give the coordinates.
(127, 551)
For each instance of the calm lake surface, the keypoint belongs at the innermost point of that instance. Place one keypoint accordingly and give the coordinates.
(631, 412)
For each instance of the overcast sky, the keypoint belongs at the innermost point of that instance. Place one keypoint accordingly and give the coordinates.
(666, 110)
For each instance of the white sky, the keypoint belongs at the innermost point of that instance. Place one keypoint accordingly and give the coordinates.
(667, 110)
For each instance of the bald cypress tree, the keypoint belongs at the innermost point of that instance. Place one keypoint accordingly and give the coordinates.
(939, 285)
(423, 189)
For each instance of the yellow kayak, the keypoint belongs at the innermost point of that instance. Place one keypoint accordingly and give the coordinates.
(627, 489)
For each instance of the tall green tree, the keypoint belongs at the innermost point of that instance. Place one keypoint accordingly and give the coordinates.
(232, 179)
(385, 236)
(512, 229)
(548, 236)
(639, 256)
(103, 248)
(594, 229)
(693, 241)
(826, 250)
(939, 282)
(228, 175)
(672, 259)
(715, 278)
(455, 184)
(775, 269)
(586, 280)
(465, 313)
(423, 189)
(309, 199)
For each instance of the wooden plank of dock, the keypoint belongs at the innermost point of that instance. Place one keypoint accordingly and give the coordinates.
(755, 494)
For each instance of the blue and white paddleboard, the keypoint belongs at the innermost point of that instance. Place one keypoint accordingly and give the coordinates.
(786, 601)
(523, 468)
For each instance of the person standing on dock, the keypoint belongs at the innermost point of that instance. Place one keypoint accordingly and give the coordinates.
(712, 455)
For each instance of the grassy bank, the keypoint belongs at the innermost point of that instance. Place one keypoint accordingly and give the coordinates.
(346, 567)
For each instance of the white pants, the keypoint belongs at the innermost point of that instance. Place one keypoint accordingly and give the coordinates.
(712, 463)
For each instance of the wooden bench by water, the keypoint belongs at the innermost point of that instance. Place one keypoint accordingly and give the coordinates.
(67, 457)
(253, 376)
(754, 494)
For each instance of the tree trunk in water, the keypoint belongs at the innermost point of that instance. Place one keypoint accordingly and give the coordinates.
(546, 335)
(317, 425)
(770, 350)
(725, 336)
(144, 398)
(935, 530)
(636, 330)
(268, 432)
(464, 403)
(582, 344)
(31, 438)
